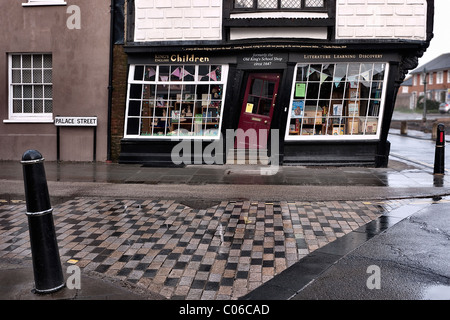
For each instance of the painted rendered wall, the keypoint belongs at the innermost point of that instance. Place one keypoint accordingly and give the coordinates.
(381, 19)
(80, 75)
(177, 20)
(170, 20)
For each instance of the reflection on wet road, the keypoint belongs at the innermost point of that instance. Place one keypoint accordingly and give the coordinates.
(418, 151)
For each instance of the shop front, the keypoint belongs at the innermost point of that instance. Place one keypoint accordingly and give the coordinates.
(332, 107)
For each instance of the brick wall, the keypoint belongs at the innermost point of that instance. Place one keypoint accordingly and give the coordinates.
(174, 20)
(119, 98)
(381, 19)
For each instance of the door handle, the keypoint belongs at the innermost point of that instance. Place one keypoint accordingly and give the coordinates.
(265, 121)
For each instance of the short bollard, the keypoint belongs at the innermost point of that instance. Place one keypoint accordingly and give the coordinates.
(48, 275)
(439, 157)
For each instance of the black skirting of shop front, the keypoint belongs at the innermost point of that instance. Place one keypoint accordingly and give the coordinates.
(360, 153)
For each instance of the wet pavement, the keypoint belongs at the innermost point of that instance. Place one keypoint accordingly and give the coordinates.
(222, 252)
(228, 232)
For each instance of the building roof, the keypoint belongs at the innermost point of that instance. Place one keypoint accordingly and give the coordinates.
(408, 82)
(440, 63)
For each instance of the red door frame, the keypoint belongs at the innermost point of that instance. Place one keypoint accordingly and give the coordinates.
(253, 119)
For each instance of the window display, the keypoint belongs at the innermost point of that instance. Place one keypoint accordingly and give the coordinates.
(175, 100)
(336, 100)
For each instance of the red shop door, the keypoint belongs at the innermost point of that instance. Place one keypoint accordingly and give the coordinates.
(257, 110)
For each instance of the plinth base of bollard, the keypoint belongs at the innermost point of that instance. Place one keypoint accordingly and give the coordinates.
(47, 291)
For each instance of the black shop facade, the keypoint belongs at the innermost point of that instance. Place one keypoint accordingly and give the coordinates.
(300, 106)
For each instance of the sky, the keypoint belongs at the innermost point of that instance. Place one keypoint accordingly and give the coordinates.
(441, 41)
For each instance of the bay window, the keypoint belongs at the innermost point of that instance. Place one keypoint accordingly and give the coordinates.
(175, 101)
(336, 101)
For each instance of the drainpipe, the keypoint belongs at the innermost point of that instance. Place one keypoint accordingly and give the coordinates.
(110, 80)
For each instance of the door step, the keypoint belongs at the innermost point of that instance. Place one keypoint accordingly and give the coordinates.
(248, 156)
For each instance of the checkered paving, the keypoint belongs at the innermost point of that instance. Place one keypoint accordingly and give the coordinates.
(222, 252)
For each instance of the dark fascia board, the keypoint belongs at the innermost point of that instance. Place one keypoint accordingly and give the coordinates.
(279, 22)
(275, 44)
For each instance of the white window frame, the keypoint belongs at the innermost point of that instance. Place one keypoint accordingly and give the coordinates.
(222, 82)
(440, 77)
(26, 117)
(431, 77)
(31, 3)
(344, 137)
(448, 76)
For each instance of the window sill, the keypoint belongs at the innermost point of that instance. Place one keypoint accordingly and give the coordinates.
(28, 121)
(44, 3)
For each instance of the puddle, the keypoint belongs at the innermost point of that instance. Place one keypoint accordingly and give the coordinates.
(439, 292)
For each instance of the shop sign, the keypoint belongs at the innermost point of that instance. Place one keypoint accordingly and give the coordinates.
(335, 57)
(181, 58)
(76, 121)
(264, 60)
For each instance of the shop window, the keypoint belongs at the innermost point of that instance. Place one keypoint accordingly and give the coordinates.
(30, 87)
(279, 4)
(175, 101)
(336, 101)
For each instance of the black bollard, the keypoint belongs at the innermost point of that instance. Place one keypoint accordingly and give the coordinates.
(439, 157)
(48, 275)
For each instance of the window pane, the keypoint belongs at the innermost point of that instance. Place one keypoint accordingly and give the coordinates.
(290, 4)
(150, 73)
(138, 73)
(28, 106)
(37, 76)
(133, 126)
(176, 73)
(17, 106)
(26, 61)
(26, 76)
(48, 92)
(203, 73)
(314, 3)
(38, 106)
(189, 73)
(16, 61)
(267, 4)
(135, 91)
(48, 106)
(134, 108)
(17, 92)
(37, 61)
(38, 92)
(16, 76)
(239, 4)
(27, 91)
(47, 61)
(164, 73)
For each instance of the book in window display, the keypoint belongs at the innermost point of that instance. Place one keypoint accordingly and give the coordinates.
(338, 130)
(353, 126)
(297, 109)
(353, 109)
(371, 126)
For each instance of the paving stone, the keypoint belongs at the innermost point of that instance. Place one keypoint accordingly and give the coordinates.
(222, 252)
